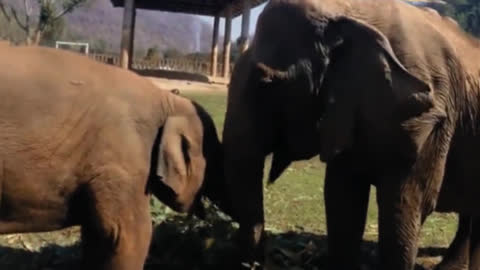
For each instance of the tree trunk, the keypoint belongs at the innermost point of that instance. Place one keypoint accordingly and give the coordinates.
(28, 40)
(37, 37)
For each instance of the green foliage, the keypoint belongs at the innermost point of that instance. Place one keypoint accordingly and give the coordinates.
(153, 54)
(99, 46)
(172, 53)
(466, 13)
(40, 19)
(69, 5)
(53, 32)
(50, 16)
(10, 31)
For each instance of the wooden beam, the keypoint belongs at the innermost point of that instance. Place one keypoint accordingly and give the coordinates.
(214, 55)
(227, 42)
(127, 33)
(198, 7)
(208, 9)
(245, 25)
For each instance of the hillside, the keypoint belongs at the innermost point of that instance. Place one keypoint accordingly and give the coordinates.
(98, 21)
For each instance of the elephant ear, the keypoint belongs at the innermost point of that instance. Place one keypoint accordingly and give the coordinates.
(406, 87)
(364, 79)
(180, 164)
(172, 164)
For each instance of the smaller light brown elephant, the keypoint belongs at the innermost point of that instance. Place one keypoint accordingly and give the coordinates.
(83, 143)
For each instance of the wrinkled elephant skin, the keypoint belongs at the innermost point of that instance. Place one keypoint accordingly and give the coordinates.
(83, 143)
(386, 94)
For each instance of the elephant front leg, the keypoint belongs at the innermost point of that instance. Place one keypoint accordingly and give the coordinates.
(246, 195)
(251, 235)
(346, 203)
(400, 220)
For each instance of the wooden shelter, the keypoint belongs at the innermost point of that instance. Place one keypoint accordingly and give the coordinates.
(228, 9)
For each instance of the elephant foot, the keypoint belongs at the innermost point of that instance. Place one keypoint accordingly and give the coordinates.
(251, 243)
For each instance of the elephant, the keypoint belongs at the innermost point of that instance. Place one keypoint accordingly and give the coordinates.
(84, 143)
(385, 93)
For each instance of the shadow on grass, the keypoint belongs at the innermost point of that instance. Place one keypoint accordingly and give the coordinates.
(178, 243)
(210, 246)
(50, 257)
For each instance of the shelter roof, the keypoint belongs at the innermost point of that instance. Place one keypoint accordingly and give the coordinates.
(196, 7)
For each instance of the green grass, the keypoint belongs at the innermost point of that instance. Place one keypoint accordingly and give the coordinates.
(295, 201)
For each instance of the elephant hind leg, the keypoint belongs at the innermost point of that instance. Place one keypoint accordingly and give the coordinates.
(475, 244)
(458, 253)
(117, 231)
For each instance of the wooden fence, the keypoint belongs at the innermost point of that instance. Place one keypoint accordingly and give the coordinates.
(183, 65)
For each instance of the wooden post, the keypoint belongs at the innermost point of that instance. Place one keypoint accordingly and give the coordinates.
(214, 56)
(127, 33)
(132, 39)
(227, 42)
(245, 25)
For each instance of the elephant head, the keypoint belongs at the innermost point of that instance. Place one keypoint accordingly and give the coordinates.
(337, 76)
(187, 159)
(310, 84)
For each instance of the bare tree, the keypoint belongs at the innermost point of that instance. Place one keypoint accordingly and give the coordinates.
(35, 23)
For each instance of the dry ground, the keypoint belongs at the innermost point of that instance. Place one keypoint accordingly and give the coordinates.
(191, 86)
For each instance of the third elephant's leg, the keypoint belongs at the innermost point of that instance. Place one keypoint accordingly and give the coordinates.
(458, 253)
(475, 244)
(346, 203)
(246, 193)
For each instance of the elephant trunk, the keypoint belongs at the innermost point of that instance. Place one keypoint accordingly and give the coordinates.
(303, 67)
(246, 134)
(244, 159)
(271, 74)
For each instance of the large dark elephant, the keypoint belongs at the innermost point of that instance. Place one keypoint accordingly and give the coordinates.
(386, 93)
(83, 143)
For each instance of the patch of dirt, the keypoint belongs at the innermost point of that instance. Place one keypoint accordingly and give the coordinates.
(190, 86)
